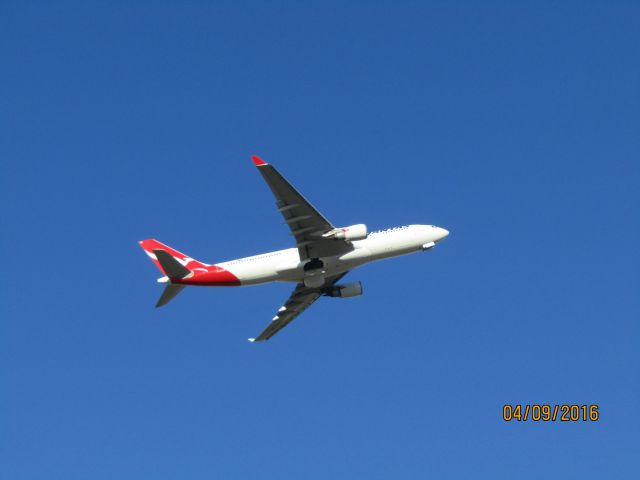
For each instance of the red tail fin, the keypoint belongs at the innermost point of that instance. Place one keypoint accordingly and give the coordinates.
(150, 245)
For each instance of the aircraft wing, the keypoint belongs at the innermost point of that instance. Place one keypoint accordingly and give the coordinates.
(306, 223)
(301, 299)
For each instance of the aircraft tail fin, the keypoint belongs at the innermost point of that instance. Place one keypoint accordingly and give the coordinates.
(170, 266)
(174, 264)
(151, 245)
(170, 291)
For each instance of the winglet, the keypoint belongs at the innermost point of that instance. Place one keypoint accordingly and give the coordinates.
(257, 161)
(251, 339)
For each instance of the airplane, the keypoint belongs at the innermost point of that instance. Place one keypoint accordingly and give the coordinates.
(322, 256)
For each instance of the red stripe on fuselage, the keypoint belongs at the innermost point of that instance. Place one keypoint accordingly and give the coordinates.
(215, 276)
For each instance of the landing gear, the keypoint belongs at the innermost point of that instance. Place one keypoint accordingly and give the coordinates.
(313, 264)
(314, 273)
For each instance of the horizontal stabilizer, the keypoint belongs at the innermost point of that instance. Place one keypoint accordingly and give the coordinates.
(169, 293)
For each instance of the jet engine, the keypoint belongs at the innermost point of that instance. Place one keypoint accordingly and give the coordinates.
(353, 232)
(349, 290)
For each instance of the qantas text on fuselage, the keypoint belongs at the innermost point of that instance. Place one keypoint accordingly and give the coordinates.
(322, 256)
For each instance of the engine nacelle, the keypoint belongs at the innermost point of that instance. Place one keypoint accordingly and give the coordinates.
(349, 290)
(354, 232)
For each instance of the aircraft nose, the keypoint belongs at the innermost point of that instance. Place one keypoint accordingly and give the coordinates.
(442, 233)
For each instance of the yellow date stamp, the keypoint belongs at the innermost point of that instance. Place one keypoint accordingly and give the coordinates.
(550, 413)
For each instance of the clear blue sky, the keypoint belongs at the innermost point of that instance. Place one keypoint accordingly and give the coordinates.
(515, 125)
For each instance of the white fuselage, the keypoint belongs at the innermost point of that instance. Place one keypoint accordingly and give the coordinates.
(286, 266)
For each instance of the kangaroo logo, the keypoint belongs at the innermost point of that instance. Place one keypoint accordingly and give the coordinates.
(185, 261)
